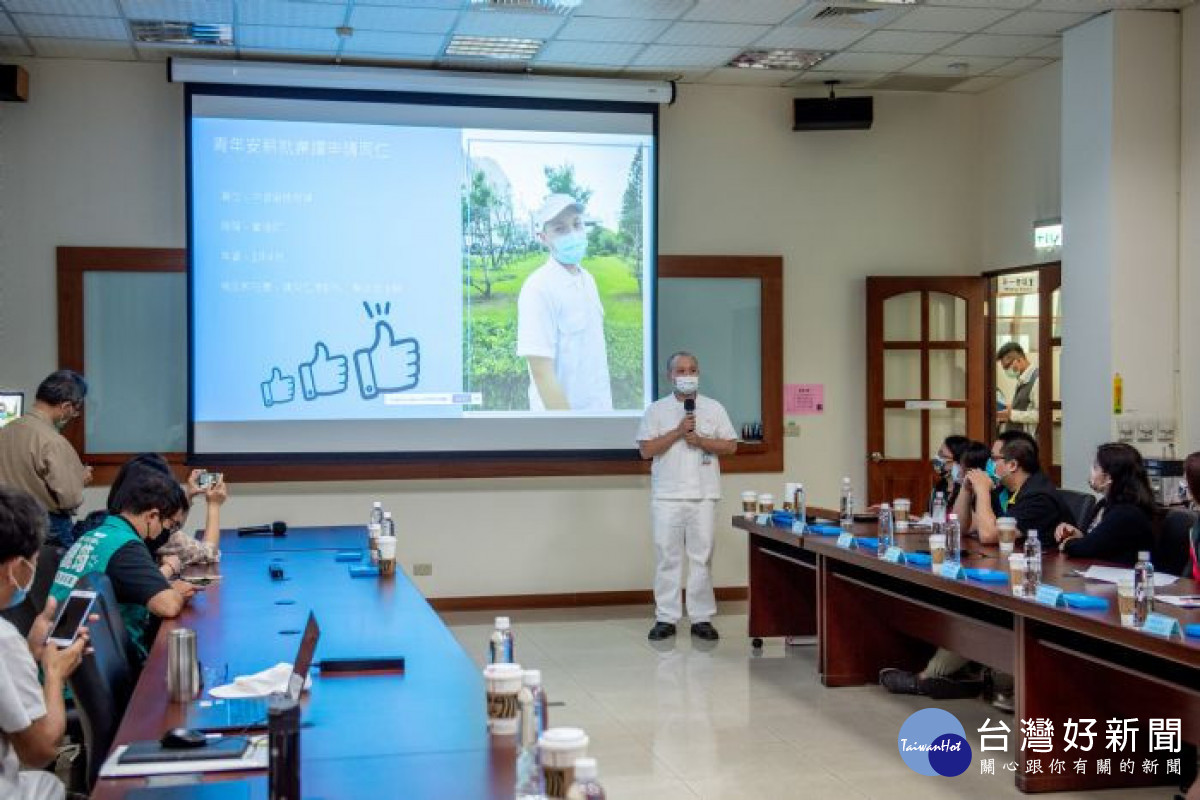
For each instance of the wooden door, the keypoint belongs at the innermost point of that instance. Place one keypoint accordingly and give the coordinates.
(925, 379)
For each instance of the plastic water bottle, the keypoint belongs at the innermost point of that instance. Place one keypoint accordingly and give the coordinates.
(531, 700)
(938, 514)
(953, 539)
(886, 529)
(800, 504)
(847, 506)
(387, 528)
(374, 523)
(500, 645)
(1143, 588)
(586, 785)
(1033, 563)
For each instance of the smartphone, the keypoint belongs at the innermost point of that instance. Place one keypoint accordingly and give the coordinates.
(207, 480)
(201, 580)
(71, 617)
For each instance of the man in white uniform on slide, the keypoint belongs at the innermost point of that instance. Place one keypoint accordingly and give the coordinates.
(684, 433)
(560, 321)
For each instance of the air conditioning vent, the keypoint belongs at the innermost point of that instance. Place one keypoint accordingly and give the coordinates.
(179, 32)
(834, 12)
(527, 6)
(860, 16)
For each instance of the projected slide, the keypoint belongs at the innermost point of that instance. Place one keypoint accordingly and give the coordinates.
(382, 276)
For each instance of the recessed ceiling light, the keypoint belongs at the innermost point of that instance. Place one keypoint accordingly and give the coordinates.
(178, 32)
(779, 58)
(505, 48)
(537, 6)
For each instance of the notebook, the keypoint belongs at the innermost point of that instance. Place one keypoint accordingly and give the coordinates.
(154, 753)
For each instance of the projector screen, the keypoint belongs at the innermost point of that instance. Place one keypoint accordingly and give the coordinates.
(380, 273)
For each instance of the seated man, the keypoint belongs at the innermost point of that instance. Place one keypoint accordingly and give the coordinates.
(149, 505)
(1018, 489)
(32, 715)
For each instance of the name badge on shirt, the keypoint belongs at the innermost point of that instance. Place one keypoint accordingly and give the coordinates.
(894, 554)
(1049, 595)
(846, 541)
(1162, 625)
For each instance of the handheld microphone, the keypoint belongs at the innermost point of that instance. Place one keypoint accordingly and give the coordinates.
(689, 408)
(274, 529)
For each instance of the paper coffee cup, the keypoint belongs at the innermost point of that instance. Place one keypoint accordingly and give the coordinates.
(749, 504)
(1126, 602)
(937, 549)
(558, 748)
(503, 682)
(766, 503)
(1016, 573)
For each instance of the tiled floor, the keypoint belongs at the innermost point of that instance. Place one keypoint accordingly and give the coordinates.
(688, 720)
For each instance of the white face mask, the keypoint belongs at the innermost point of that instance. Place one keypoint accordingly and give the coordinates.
(1098, 482)
(687, 384)
(956, 473)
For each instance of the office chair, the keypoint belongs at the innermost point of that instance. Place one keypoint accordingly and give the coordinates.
(23, 615)
(103, 683)
(1172, 551)
(1079, 503)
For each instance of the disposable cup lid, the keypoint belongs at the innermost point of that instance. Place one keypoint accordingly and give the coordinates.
(503, 672)
(585, 769)
(749, 494)
(563, 739)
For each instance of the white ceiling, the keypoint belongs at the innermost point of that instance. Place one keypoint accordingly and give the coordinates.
(981, 42)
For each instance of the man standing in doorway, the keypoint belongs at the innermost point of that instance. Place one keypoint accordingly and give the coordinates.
(1022, 411)
(684, 433)
(560, 321)
(36, 458)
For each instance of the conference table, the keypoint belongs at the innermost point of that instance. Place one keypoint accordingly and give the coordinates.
(1068, 664)
(417, 734)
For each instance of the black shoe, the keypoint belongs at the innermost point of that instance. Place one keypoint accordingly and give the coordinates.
(705, 631)
(660, 631)
(898, 681)
(949, 689)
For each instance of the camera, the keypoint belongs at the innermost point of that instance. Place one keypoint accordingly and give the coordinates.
(208, 480)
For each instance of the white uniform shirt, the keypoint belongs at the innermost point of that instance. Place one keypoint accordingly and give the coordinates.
(21, 702)
(559, 316)
(680, 473)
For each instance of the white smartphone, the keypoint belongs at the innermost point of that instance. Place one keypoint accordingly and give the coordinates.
(71, 617)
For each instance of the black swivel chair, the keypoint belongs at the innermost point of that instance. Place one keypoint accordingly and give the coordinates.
(103, 682)
(23, 615)
(1079, 503)
(1172, 553)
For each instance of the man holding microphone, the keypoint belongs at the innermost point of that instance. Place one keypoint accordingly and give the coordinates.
(684, 433)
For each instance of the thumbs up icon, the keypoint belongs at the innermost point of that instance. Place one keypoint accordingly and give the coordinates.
(389, 364)
(324, 375)
(278, 388)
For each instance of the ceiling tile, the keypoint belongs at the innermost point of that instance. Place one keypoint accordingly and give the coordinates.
(732, 76)
(505, 23)
(601, 29)
(1038, 23)
(691, 75)
(951, 65)
(950, 20)
(684, 57)
(83, 48)
(1053, 51)
(634, 9)
(408, 20)
(1096, 6)
(397, 44)
(984, 44)
(445, 5)
(809, 38)
(1005, 4)
(190, 10)
(281, 12)
(13, 46)
(598, 54)
(861, 16)
(71, 27)
(272, 38)
(713, 34)
(905, 42)
(980, 84)
(1020, 66)
(6, 26)
(845, 80)
(867, 62)
(79, 8)
(762, 12)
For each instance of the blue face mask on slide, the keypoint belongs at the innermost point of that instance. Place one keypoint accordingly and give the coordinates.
(570, 248)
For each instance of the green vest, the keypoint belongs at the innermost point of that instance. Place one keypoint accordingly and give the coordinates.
(91, 553)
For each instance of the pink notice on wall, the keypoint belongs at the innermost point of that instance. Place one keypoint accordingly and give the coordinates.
(803, 399)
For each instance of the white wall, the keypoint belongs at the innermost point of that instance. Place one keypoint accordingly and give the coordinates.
(1020, 165)
(95, 159)
(1189, 235)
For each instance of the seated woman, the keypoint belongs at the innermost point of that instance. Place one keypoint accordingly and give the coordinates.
(1123, 522)
(1191, 470)
(947, 467)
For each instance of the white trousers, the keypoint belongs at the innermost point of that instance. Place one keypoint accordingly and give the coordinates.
(683, 528)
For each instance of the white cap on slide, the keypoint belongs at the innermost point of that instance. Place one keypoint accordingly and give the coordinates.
(552, 206)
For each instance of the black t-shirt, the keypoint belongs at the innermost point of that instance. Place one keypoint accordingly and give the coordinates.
(1122, 531)
(134, 575)
(1035, 507)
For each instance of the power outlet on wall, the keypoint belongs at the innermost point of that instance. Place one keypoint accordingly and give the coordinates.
(422, 570)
